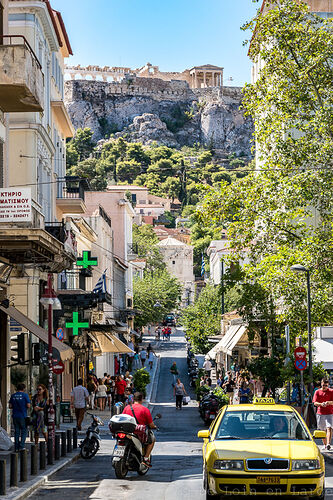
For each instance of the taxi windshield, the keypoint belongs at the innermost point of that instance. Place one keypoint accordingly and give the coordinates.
(262, 424)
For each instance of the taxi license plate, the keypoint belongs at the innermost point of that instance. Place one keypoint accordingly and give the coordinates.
(119, 451)
(268, 480)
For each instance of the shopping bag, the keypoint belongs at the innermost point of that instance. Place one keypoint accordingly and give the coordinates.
(6, 443)
(186, 400)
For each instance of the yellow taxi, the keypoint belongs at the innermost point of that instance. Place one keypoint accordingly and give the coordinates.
(261, 449)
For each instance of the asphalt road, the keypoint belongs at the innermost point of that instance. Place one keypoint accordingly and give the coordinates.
(177, 462)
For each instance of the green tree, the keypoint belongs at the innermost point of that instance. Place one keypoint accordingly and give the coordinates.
(127, 170)
(80, 147)
(154, 296)
(171, 187)
(91, 169)
(145, 244)
(282, 214)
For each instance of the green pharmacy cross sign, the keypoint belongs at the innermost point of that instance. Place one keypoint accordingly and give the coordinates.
(86, 260)
(76, 324)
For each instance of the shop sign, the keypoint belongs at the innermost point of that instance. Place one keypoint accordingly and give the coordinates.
(15, 205)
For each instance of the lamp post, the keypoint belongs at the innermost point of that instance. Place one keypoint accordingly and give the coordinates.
(298, 268)
(50, 301)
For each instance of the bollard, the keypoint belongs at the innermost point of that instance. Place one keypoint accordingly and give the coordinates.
(23, 466)
(33, 460)
(42, 455)
(57, 447)
(50, 456)
(63, 444)
(74, 438)
(3, 477)
(13, 469)
(69, 441)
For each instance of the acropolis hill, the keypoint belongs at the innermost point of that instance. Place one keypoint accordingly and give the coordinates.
(148, 105)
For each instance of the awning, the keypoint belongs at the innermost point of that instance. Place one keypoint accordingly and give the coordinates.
(106, 342)
(232, 339)
(120, 327)
(66, 353)
(212, 353)
(323, 352)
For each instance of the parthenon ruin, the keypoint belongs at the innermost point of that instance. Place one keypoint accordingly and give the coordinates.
(197, 77)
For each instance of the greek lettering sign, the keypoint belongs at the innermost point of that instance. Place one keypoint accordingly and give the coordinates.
(15, 205)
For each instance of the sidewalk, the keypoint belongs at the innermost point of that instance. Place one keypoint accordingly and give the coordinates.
(25, 489)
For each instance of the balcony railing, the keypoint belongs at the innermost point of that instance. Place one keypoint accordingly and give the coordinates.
(73, 187)
(21, 76)
(21, 40)
(58, 230)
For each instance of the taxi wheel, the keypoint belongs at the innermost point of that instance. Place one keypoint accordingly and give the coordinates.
(322, 496)
(208, 495)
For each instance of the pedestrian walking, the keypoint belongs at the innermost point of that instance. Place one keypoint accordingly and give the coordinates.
(91, 387)
(174, 373)
(121, 385)
(207, 366)
(151, 359)
(143, 357)
(19, 403)
(136, 360)
(229, 387)
(79, 400)
(323, 400)
(179, 392)
(244, 392)
(39, 415)
(101, 395)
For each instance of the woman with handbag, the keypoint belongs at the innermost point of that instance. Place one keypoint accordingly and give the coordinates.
(39, 414)
(179, 392)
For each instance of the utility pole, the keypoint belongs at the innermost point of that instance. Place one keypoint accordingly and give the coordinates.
(309, 330)
(287, 333)
(222, 287)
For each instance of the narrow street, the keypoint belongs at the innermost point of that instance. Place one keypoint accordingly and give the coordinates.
(177, 462)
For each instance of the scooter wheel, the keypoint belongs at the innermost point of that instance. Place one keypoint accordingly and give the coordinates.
(120, 469)
(89, 448)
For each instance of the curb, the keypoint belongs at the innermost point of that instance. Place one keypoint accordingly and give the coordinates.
(153, 384)
(32, 485)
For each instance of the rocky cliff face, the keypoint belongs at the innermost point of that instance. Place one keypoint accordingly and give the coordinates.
(169, 113)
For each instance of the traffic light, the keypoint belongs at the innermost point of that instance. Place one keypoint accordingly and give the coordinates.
(19, 348)
(36, 354)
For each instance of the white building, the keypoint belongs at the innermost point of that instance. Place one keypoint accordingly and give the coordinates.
(179, 261)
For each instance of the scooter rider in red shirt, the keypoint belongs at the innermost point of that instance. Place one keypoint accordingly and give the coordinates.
(143, 417)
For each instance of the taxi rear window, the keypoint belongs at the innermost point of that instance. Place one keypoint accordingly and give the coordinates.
(261, 424)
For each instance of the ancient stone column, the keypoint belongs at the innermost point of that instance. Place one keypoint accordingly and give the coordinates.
(204, 79)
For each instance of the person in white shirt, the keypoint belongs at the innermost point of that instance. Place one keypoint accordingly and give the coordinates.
(79, 399)
(143, 357)
(207, 366)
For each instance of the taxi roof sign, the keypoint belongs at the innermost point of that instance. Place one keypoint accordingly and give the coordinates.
(263, 401)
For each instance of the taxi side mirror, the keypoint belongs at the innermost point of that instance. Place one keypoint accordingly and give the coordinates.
(319, 434)
(203, 434)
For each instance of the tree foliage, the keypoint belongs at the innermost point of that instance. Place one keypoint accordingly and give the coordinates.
(203, 318)
(154, 296)
(281, 214)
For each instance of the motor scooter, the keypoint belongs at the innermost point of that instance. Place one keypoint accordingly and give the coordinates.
(91, 444)
(128, 452)
(209, 407)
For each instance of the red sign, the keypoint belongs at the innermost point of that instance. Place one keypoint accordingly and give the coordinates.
(58, 367)
(300, 353)
(300, 358)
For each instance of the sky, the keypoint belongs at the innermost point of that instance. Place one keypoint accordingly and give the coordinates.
(171, 34)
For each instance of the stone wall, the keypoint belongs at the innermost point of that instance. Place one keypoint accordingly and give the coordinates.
(147, 110)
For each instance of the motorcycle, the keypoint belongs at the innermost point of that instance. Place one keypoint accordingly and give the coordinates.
(91, 443)
(128, 452)
(209, 407)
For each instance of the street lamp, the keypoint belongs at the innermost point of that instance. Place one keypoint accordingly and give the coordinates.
(298, 268)
(50, 301)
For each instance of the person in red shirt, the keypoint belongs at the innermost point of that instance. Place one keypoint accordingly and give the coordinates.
(323, 400)
(120, 385)
(143, 417)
